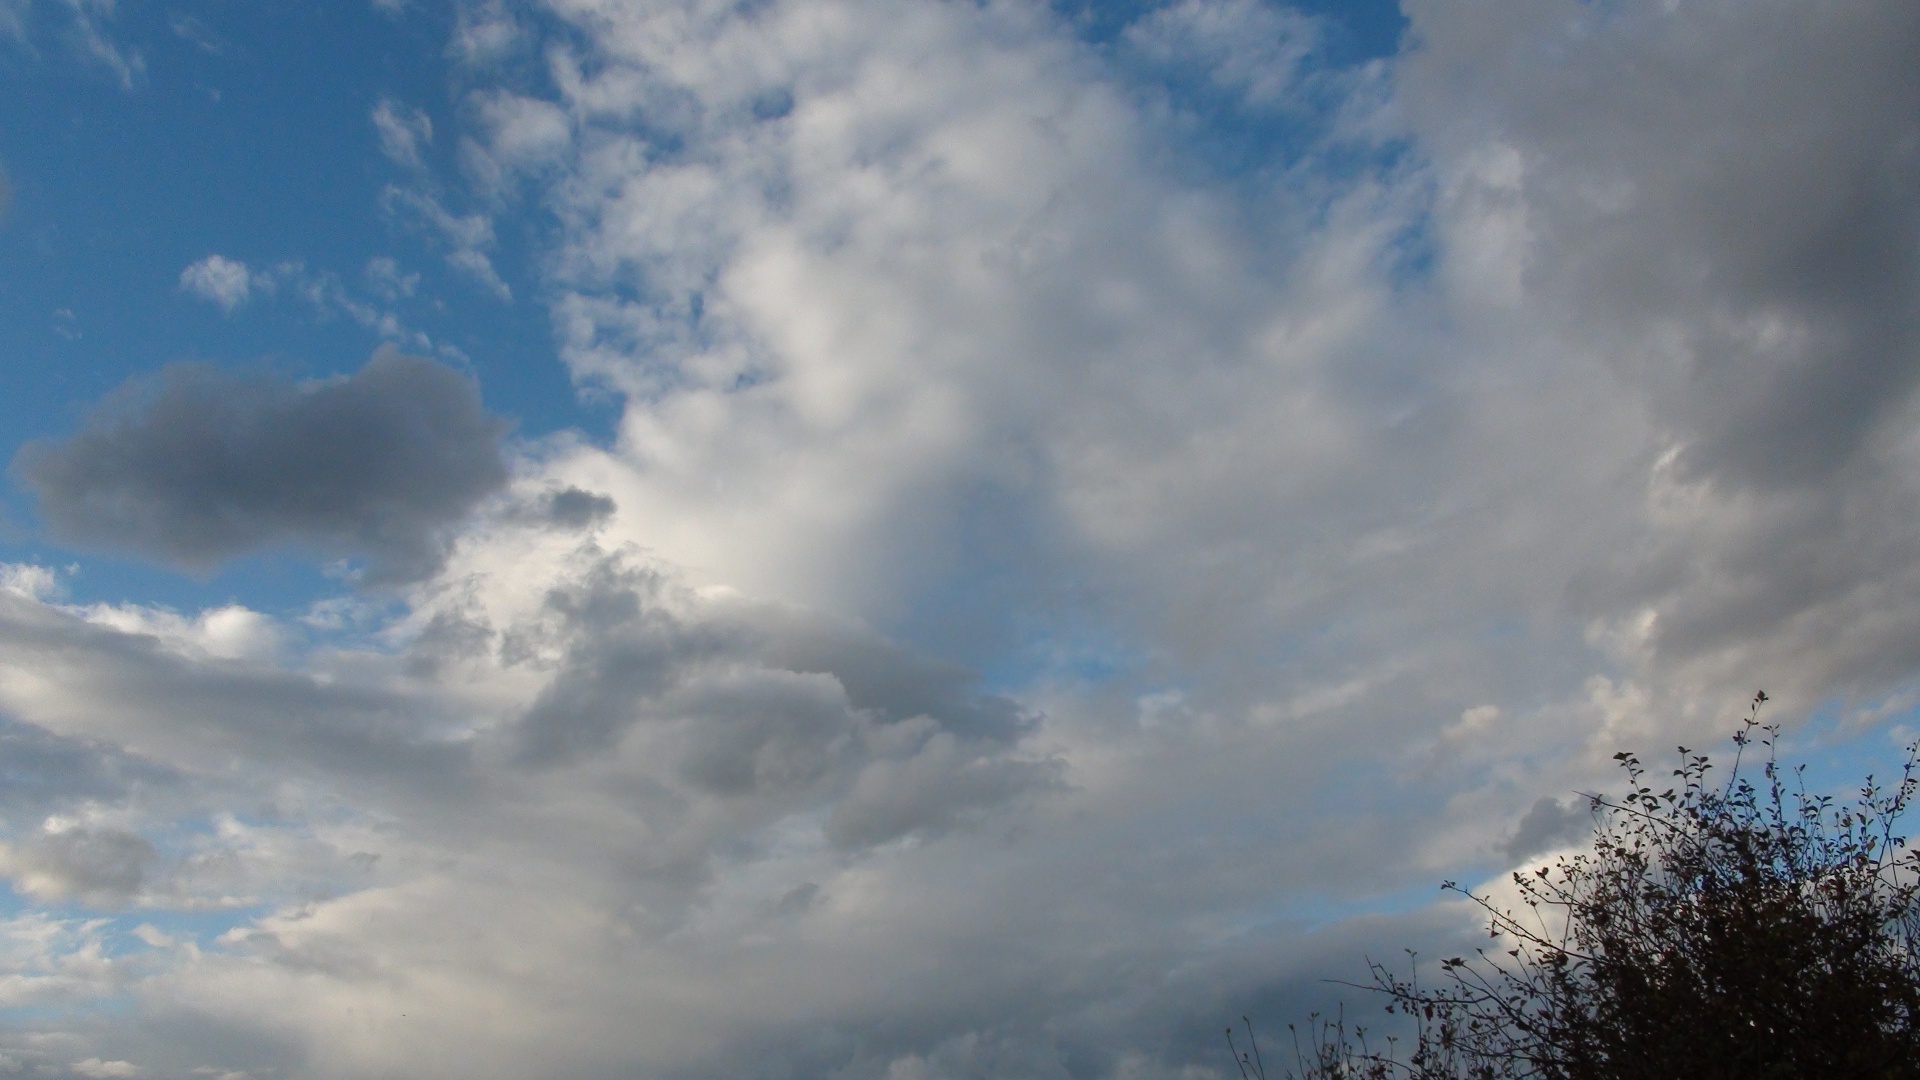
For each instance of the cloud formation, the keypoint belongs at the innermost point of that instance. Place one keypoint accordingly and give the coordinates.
(224, 281)
(104, 867)
(199, 465)
(1319, 524)
(402, 131)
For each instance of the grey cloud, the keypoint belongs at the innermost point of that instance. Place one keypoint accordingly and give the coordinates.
(940, 786)
(127, 691)
(201, 466)
(881, 675)
(769, 704)
(102, 867)
(566, 508)
(42, 773)
(622, 647)
(1547, 824)
(573, 508)
(1719, 202)
(1729, 191)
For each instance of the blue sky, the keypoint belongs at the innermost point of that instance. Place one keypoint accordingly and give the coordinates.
(248, 133)
(901, 539)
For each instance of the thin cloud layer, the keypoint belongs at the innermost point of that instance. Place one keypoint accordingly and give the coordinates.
(1320, 526)
(201, 466)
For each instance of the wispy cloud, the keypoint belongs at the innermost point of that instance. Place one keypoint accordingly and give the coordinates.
(468, 237)
(403, 132)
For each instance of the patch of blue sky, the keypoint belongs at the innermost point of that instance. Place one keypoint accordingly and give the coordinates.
(1359, 30)
(1252, 88)
(29, 1016)
(1840, 745)
(247, 134)
(117, 927)
(1306, 912)
(1067, 647)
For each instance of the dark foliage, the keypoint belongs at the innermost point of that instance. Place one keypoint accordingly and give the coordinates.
(1748, 930)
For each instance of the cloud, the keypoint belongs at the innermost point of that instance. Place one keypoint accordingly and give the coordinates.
(100, 867)
(1248, 47)
(384, 277)
(199, 466)
(484, 32)
(1549, 824)
(96, 1069)
(224, 281)
(92, 41)
(403, 131)
(1047, 579)
(700, 772)
(520, 135)
(468, 236)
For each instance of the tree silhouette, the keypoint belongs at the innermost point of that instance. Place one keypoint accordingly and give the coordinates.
(1713, 930)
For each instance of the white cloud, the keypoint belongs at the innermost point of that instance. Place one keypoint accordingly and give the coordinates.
(88, 28)
(484, 32)
(403, 132)
(385, 278)
(520, 135)
(224, 281)
(96, 1069)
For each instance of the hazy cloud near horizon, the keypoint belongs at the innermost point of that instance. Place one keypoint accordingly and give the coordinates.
(1056, 585)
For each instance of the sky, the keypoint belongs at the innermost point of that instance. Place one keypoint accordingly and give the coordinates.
(903, 539)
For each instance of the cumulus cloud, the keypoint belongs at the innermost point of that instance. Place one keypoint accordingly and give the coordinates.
(520, 135)
(199, 465)
(224, 281)
(685, 773)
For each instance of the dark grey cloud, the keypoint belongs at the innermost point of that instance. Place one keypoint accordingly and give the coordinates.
(1720, 202)
(42, 773)
(201, 465)
(1547, 824)
(1730, 192)
(100, 867)
(573, 508)
(769, 709)
(150, 702)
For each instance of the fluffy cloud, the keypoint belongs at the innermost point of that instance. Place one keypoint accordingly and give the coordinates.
(637, 775)
(200, 466)
(224, 281)
(1322, 526)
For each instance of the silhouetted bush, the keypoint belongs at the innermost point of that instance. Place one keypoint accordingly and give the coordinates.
(1714, 930)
